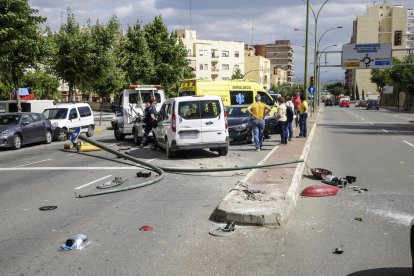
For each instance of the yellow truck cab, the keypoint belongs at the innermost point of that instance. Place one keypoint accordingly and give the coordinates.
(232, 92)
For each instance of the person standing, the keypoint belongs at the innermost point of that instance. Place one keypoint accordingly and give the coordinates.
(296, 104)
(282, 120)
(258, 112)
(290, 116)
(303, 117)
(149, 120)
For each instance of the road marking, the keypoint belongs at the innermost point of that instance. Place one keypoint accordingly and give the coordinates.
(67, 168)
(408, 143)
(385, 130)
(70, 154)
(87, 184)
(151, 160)
(371, 123)
(362, 119)
(33, 163)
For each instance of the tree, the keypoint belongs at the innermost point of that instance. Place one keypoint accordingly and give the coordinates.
(169, 56)
(107, 77)
(73, 54)
(44, 85)
(20, 39)
(237, 75)
(403, 73)
(381, 77)
(135, 57)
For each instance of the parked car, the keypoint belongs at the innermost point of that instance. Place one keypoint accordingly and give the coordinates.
(373, 104)
(192, 122)
(361, 103)
(344, 103)
(65, 117)
(328, 102)
(336, 102)
(240, 128)
(17, 129)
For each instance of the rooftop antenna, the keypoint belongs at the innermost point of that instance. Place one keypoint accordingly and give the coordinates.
(252, 30)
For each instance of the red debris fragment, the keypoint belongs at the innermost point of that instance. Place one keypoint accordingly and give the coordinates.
(319, 172)
(320, 190)
(146, 228)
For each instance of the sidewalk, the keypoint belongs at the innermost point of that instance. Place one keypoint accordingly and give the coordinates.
(279, 186)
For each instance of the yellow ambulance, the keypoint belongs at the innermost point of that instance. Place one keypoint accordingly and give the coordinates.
(232, 92)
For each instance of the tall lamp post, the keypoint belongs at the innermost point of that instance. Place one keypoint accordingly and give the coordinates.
(318, 70)
(305, 81)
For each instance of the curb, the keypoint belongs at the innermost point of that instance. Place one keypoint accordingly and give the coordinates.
(272, 213)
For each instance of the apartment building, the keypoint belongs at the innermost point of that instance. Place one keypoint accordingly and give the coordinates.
(382, 23)
(281, 55)
(410, 28)
(257, 68)
(212, 59)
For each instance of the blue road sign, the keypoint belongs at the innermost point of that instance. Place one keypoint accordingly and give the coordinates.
(75, 135)
(311, 89)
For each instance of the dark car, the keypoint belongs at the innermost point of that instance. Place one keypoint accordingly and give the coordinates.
(372, 104)
(240, 128)
(336, 103)
(328, 102)
(17, 129)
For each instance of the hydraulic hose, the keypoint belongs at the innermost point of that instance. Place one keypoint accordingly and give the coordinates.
(160, 169)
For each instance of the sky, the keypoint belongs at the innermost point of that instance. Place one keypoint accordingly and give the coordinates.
(253, 22)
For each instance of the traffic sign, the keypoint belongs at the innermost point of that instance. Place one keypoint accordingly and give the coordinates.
(311, 89)
(75, 135)
(366, 56)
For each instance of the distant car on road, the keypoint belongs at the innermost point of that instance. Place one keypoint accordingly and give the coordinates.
(336, 103)
(373, 104)
(240, 128)
(344, 103)
(17, 129)
(328, 102)
(361, 103)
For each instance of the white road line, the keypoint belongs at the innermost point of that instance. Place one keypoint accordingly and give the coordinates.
(87, 184)
(33, 163)
(70, 154)
(408, 143)
(385, 130)
(67, 168)
(371, 123)
(151, 160)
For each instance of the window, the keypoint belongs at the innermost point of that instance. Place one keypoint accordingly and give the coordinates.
(189, 52)
(210, 109)
(189, 110)
(236, 54)
(265, 98)
(73, 114)
(241, 97)
(205, 53)
(27, 119)
(36, 117)
(84, 111)
(225, 53)
(397, 38)
(201, 67)
(205, 66)
(225, 67)
(225, 78)
(201, 53)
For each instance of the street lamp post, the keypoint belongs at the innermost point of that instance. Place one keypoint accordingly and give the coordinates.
(318, 69)
(305, 81)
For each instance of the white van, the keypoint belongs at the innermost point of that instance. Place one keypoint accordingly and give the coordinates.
(36, 106)
(65, 117)
(192, 122)
(131, 106)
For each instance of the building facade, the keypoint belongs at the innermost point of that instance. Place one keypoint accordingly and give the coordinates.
(382, 23)
(212, 59)
(281, 56)
(410, 29)
(257, 68)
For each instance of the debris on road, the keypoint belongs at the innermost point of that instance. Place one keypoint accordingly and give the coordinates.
(48, 208)
(358, 219)
(146, 228)
(319, 172)
(319, 190)
(223, 231)
(142, 174)
(76, 242)
(109, 184)
(338, 250)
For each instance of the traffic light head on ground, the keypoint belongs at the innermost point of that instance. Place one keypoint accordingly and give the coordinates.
(312, 81)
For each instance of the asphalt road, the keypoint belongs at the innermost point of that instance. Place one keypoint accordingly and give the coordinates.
(375, 146)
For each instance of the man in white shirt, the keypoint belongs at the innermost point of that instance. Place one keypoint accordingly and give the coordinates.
(282, 120)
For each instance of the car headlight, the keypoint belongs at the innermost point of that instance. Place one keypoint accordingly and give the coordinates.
(5, 133)
(240, 127)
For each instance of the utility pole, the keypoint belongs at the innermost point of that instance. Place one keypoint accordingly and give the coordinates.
(305, 79)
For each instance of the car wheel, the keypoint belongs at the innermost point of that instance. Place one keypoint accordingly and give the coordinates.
(90, 131)
(135, 136)
(168, 150)
(118, 135)
(62, 135)
(17, 141)
(223, 151)
(48, 138)
(377, 108)
(249, 139)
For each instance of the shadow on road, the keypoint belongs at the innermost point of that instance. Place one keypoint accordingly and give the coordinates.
(386, 271)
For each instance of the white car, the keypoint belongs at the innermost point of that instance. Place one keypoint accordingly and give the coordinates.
(192, 122)
(65, 117)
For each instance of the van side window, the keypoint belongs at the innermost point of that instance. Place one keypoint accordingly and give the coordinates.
(84, 111)
(210, 109)
(73, 114)
(189, 110)
(241, 97)
(133, 98)
(168, 112)
(265, 98)
(161, 114)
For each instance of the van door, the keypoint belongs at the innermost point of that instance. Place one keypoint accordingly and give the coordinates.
(213, 124)
(74, 119)
(163, 124)
(188, 123)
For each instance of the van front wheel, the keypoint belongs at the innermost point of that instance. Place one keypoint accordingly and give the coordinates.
(223, 151)
(118, 135)
(90, 131)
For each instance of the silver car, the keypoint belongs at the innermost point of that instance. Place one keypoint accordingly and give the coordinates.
(17, 129)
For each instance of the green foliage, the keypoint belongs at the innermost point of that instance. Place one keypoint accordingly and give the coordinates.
(237, 75)
(44, 85)
(20, 38)
(381, 77)
(403, 73)
(336, 88)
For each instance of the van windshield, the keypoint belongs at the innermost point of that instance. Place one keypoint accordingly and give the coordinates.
(56, 113)
(199, 109)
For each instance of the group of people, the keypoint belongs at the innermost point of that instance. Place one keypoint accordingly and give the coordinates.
(287, 111)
